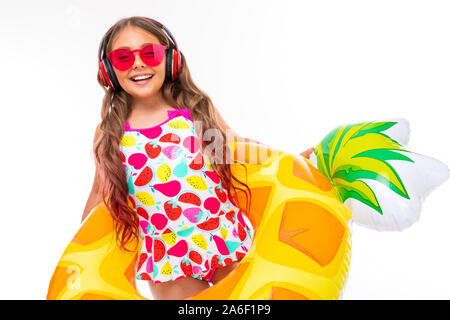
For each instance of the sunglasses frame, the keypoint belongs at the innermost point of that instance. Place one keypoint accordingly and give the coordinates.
(109, 54)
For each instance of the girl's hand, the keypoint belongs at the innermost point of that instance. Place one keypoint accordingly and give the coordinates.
(307, 153)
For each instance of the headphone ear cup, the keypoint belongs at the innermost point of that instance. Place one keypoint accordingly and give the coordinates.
(177, 58)
(169, 65)
(102, 71)
(101, 75)
(111, 75)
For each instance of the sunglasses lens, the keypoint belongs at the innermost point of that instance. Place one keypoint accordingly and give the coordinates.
(122, 59)
(153, 54)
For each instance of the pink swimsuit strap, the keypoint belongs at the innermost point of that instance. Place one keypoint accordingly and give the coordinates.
(184, 112)
(211, 274)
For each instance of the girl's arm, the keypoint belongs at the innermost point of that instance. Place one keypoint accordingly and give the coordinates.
(307, 152)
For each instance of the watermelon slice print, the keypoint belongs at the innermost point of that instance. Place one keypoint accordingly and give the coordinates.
(159, 250)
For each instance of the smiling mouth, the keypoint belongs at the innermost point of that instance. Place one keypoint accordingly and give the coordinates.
(142, 79)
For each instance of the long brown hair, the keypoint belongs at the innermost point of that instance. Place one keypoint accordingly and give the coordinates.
(116, 107)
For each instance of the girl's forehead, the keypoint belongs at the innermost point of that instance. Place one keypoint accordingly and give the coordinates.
(132, 37)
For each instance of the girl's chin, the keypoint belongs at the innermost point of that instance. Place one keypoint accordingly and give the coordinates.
(141, 93)
(148, 90)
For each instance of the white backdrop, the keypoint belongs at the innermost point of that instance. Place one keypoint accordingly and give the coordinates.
(284, 73)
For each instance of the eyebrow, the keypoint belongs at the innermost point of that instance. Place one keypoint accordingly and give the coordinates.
(144, 44)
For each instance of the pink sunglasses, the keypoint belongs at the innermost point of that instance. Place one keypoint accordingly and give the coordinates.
(123, 59)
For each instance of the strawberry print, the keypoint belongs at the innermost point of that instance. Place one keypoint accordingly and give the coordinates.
(187, 223)
(230, 215)
(172, 209)
(241, 232)
(216, 261)
(186, 267)
(221, 194)
(171, 152)
(152, 149)
(194, 214)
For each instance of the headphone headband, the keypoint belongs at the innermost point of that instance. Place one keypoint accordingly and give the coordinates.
(107, 73)
(102, 54)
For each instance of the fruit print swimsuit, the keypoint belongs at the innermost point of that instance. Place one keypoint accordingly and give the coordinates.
(188, 224)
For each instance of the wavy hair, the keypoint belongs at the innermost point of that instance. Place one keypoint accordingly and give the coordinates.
(116, 107)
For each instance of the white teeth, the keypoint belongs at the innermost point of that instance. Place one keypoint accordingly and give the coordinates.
(142, 77)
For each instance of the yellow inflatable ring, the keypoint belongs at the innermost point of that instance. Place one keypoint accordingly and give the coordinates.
(301, 246)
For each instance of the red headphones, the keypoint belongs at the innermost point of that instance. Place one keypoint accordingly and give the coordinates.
(108, 76)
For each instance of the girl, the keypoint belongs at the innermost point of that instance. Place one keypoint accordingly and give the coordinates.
(148, 153)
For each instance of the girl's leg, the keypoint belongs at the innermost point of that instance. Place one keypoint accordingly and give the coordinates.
(177, 289)
(221, 273)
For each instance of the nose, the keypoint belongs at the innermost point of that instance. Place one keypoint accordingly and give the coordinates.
(137, 59)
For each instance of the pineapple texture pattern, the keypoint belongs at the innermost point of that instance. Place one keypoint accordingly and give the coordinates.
(188, 224)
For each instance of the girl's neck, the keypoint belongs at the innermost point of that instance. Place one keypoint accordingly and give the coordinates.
(149, 105)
